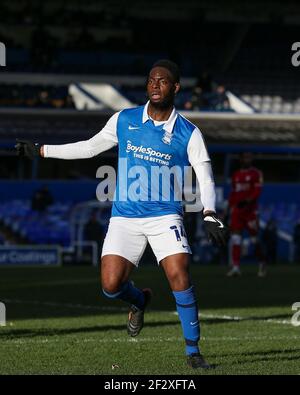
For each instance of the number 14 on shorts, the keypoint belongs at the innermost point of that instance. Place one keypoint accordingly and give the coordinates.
(178, 232)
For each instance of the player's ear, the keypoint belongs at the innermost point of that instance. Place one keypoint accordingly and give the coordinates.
(177, 87)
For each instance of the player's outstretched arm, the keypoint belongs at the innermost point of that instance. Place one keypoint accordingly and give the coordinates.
(199, 159)
(102, 141)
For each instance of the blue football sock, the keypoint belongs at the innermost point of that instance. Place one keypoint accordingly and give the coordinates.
(128, 293)
(188, 313)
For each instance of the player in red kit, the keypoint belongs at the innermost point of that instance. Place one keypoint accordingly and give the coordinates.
(243, 203)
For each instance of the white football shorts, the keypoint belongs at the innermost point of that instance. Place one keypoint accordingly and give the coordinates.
(128, 237)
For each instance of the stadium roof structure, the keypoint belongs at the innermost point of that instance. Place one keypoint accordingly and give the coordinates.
(259, 129)
(264, 131)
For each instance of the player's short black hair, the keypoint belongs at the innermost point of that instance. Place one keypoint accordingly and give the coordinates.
(169, 65)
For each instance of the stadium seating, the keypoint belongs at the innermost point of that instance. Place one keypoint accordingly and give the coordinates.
(54, 225)
(49, 227)
(57, 97)
(106, 41)
(37, 96)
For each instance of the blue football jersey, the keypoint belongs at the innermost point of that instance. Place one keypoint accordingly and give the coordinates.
(151, 165)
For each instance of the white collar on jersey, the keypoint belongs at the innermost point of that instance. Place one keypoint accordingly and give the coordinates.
(169, 125)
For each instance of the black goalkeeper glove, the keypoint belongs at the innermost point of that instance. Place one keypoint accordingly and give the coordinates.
(27, 148)
(216, 231)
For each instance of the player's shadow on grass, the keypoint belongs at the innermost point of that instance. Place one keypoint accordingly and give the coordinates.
(29, 333)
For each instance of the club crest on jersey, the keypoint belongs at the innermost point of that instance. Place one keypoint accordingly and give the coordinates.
(167, 138)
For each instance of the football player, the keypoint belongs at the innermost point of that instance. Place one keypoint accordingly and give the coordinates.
(150, 137)
(246, 188)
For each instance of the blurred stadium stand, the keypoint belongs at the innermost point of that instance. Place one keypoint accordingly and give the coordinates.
(35, 96)
(51, 227)
(65, 56)
(246, 47)
(63, 222)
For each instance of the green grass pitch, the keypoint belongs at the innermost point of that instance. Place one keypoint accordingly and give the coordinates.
(58, 322)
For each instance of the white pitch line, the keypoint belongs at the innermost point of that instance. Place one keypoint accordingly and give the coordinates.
(284, 322)
(237, 318)
(223, 317)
